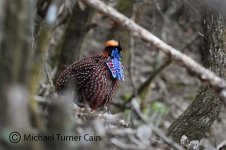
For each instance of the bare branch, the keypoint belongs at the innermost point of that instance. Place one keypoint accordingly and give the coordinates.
(217, 83)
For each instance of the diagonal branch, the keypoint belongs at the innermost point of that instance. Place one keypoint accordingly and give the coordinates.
(217, 83)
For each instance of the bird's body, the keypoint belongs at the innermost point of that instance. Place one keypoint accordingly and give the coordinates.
(94, 78)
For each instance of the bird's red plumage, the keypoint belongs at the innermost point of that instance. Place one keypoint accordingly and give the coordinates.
(91, 80)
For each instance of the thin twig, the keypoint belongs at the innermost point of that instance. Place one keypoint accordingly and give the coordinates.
(193, 8)
(48, 75)
(131, 56)
(190, 41)
(146, 84)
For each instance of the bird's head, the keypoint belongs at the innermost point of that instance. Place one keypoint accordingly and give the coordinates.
(112, 49)
(113, 52)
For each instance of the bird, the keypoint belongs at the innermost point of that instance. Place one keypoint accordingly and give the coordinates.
(94, 79)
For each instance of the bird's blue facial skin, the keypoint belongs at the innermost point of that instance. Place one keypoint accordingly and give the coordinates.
(116, 54)
(114, 64)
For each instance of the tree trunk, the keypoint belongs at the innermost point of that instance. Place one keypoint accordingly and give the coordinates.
(75, 32)
(15, 48)
(2, 14)
(200, 115)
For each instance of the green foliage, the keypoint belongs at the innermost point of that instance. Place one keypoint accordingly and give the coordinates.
(159, 108)
(127, 96)
(125, 7)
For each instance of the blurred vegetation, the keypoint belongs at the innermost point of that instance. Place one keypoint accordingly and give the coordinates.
(38, 39)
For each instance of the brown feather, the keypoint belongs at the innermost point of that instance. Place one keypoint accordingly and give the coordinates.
(91, 80)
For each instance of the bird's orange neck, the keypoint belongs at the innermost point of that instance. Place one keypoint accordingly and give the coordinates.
(105, 53)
